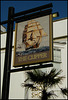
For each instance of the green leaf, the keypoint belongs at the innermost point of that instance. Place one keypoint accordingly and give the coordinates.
(64, 91)
(29, 86)
(47, 80)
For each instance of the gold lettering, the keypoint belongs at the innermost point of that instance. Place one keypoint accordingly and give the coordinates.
(19, 59)
(44, 55)
(35, 56)
(30, 57)
(24, 58)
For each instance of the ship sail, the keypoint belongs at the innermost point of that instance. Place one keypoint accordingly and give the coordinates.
(32, 34)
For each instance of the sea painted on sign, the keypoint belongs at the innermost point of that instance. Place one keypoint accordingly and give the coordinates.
(32, 51)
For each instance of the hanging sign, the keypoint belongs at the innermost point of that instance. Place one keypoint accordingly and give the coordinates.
(33, 41)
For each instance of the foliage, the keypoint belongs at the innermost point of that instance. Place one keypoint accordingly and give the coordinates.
(46, 81)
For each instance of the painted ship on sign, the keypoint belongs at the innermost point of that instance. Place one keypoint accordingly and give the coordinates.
(32, 34)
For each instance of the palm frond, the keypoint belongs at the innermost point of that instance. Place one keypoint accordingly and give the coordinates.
(48, 79)
(53, 82)
(26, 79)
(52, 78)
(51, 93)
(29, 86)
(53, 73)
(31, 76)
(47, 95)
(57, 73)
(36, 76)
(57, 80)
(64, 91)
(38, 72)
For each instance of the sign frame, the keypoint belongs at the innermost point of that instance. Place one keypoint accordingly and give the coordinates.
(50, 44)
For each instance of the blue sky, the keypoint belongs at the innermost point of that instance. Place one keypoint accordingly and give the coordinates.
(58, 6)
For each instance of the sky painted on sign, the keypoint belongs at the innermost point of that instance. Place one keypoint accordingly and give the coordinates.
(58, 6)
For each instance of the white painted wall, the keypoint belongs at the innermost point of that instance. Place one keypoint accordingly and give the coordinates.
(3, 39)
(60, 28)
(2, 66)
(2, 28)
(16, 79)
(16, 91)
(63, 66)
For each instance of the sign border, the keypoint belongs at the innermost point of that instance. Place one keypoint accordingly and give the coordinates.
(50, 59)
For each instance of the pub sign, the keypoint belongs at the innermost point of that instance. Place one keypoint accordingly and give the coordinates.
(33, 41)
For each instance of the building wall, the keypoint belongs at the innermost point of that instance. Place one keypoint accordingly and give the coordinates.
(58, 65)
(2, 28)
(60, 28)
(16, 79)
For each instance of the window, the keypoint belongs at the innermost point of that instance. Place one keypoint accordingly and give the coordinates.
(57, 55)
(57, 59)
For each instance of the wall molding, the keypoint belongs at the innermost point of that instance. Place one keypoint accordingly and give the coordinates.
(62, 37)
(53, 21)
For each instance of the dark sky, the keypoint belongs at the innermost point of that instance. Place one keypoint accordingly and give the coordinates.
(58, 6)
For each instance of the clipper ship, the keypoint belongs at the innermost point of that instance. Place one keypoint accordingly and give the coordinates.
(32, 34)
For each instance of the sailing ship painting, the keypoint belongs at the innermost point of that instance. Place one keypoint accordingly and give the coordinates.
(32, 37)
(33, 41)
(32, 34)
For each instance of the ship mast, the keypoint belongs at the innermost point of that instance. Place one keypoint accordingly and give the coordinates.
(32, 34)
